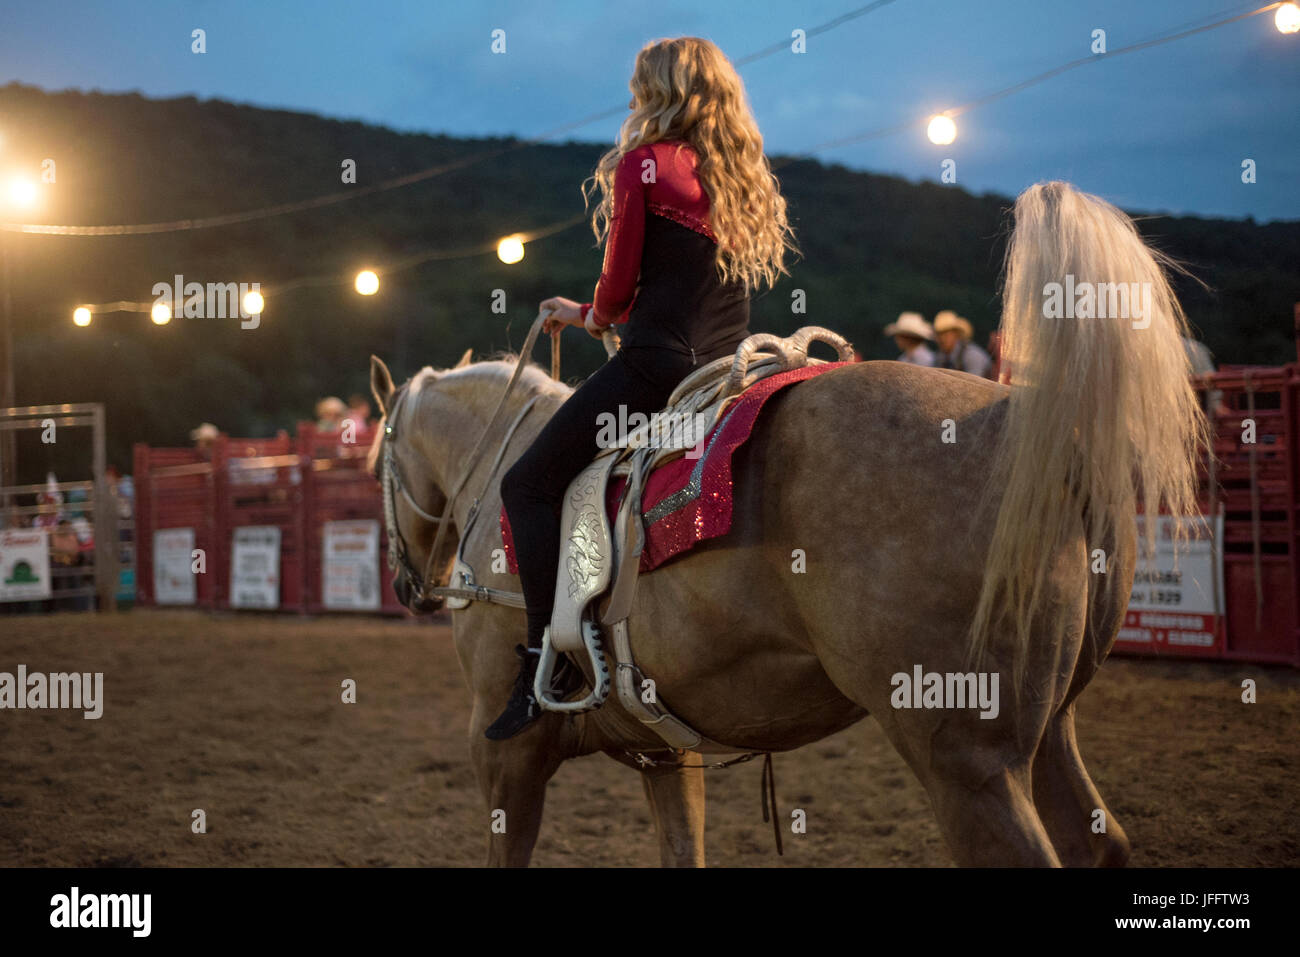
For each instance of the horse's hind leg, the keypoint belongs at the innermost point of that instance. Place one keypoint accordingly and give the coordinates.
(676, 796)
(1067, 799)
(976, 771)
(1069, 804)
(994, 824)
(512, 775)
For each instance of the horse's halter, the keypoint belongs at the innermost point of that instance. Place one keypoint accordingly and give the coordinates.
(421, 587)
(390, 479)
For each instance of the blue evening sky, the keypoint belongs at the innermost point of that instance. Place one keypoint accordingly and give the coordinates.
(1163, 129)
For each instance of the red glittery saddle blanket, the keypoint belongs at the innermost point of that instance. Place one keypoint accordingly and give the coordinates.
(688, 500)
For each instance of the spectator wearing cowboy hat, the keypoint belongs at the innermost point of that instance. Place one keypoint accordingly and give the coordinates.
(205, 438)
(956, 351)
(330, 413)
(911, 332)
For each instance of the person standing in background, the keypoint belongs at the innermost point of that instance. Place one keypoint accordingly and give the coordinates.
(359, 411)
(956, 350)
(911, 333)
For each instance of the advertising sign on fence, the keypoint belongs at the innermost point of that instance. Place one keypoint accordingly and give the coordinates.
(350, 565)
(173, 573)
(255, 567)
(1177, 603)
(24, 564)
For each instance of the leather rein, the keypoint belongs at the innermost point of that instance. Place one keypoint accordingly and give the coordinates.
(424, 586)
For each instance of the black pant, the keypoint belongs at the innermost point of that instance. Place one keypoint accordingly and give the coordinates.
(639, 379)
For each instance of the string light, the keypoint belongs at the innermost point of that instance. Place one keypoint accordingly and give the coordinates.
(367, 282)
(881, 132)
(510, 250)
(22, 192)
(410, 179)
(81, 316)
(1287, 18)
(161, 313)
(942, 130)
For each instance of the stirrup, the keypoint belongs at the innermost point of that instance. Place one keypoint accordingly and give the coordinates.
(546, 668)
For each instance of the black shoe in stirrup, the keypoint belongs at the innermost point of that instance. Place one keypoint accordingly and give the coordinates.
(522, 709)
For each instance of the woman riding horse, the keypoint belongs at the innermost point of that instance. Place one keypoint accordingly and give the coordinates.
(693, 221)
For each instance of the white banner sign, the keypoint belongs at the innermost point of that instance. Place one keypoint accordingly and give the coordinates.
(173, 574)
(350, 565)
(1177, 603)
(1193, 586)
(255, 567)
(24, 564)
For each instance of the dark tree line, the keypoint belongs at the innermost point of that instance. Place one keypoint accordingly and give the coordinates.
(871, 246)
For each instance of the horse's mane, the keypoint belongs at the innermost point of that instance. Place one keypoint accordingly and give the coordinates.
(489, 375)
(494, 371)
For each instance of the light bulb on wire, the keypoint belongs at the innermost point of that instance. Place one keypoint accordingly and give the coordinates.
(510, 250)
(1287, 18)
(367, 282)
(942, 130)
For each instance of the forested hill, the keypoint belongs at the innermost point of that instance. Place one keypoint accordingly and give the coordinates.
(872, 246)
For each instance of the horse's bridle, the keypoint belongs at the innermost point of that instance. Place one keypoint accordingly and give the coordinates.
(421, 586)
(390, 480)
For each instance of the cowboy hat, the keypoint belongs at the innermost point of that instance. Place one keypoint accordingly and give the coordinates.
(910, 324)
(949, 320)
(330, 405)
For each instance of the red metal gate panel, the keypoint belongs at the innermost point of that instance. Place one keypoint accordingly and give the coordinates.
(174, 488)
(264, 490)
(339, 488)
(1254, 481)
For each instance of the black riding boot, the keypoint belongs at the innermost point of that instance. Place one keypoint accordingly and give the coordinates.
(522, 709)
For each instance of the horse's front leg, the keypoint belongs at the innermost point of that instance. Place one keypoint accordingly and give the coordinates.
(676, 796)
(512, 775)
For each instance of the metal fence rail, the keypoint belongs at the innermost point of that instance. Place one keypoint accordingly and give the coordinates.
(104, 569)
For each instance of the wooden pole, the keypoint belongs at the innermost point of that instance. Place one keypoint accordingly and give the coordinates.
(8, 441)
(106, 533)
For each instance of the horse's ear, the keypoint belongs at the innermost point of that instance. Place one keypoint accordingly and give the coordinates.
(464, 360)
(381, 383)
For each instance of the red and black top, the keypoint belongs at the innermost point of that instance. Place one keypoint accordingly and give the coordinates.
(659, 275)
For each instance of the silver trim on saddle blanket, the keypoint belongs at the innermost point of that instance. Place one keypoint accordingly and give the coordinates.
(592, 559)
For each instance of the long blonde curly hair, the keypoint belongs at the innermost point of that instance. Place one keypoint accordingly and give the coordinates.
(686, 89)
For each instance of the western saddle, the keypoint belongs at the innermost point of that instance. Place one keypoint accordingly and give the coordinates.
(598, 560)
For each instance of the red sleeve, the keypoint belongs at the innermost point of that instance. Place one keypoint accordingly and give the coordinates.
(618, 278)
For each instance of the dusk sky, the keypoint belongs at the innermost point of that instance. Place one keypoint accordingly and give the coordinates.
(1161, 129)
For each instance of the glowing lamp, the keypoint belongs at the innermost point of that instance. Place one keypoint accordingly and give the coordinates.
(1287, 18)
(510, 250)
(942, 130)
(367, 282)
(22, 193)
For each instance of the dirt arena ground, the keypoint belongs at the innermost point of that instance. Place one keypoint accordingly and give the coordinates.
(241, 716)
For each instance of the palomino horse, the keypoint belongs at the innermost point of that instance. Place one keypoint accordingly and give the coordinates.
(874, 472)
